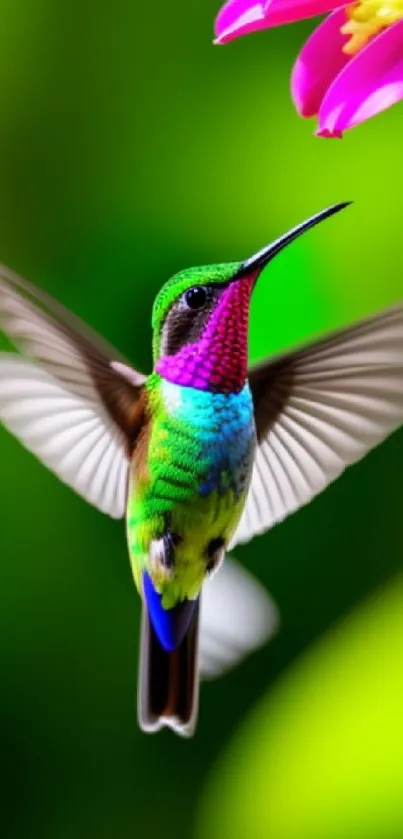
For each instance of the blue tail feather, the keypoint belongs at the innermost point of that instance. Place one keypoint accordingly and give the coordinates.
(170, 625)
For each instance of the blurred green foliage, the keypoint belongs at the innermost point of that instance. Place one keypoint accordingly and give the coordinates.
(130, 148)
(322, 757)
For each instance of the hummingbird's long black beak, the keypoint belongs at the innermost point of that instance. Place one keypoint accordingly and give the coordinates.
(258, 261)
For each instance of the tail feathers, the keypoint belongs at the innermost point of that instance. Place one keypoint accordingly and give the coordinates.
(168, 681)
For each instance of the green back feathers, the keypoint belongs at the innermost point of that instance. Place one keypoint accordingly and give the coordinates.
(178, 284)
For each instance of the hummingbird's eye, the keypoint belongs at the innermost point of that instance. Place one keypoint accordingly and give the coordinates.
(196, 297)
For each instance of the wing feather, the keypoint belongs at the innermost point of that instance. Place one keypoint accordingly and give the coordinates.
(237, 617)
(319, 409)
(69, 397)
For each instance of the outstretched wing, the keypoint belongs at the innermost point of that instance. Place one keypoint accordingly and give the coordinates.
(237, 617)
(318, 410)
(69, 397)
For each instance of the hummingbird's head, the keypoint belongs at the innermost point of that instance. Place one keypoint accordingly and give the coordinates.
(200, 318)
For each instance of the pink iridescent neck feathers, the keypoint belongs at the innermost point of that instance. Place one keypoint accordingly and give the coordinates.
(218, 361)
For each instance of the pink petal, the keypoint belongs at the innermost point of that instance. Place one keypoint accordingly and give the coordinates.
(279, 12)
(240, 17)
(319, 62)
(371, 82)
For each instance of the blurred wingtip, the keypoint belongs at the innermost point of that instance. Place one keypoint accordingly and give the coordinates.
(238, 616)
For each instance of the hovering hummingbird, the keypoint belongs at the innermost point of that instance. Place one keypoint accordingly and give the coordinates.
(199, 456)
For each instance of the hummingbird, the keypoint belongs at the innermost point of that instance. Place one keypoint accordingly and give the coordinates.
(201, 455)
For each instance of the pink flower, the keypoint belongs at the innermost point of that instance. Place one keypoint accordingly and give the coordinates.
(350, 68)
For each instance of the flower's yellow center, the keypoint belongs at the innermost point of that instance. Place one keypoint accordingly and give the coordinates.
(366, 19)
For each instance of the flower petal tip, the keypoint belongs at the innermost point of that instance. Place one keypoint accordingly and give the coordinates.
(224, 37)
(328, 134)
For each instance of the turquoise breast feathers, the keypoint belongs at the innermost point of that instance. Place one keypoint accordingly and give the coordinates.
(225, 428)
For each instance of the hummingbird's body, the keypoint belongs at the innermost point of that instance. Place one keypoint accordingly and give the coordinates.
(189, 480)
(203, 454)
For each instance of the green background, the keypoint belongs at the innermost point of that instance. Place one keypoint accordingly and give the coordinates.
(131, 147)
